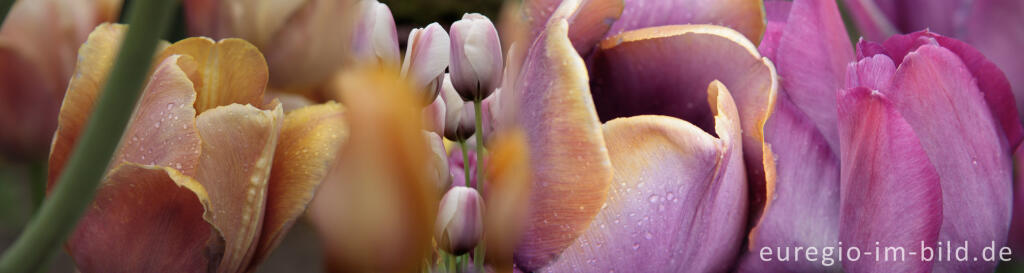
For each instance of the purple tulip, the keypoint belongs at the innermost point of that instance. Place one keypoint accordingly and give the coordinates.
(459, 224)
(994, 27)
(908, 146)
(666, 171)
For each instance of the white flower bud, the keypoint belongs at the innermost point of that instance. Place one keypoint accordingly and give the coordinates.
(375, 39)
(476, 62)
(459, 224)
(426, 58)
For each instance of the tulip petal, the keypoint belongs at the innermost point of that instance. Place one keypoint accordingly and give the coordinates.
(162, 131)
(311, 46)
(375, 211)
(874, 72)
(229, 71)
(813, 53)
(28, 110)
(589, 20)
(571, 169)
(745, 16)
(237, 153)
(146, 219)
(938, 97)
(776, 15)
(95, 58)
(507, 195)
(646, 72)
(1017, 237)
(309, 138)
(801, 209)
(871, 21)
(891, 195)
(994, 28)
(675, 187)
(991, 81)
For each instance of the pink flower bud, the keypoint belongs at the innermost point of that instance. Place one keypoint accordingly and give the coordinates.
(375, 39)
(459, 223)
(476, 62)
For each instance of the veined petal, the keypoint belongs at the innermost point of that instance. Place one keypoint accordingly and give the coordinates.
(309, 140)
(162, 130)
(237, 153)
(813, 53)
(802, 190)
(229, 71)
(571, 169)
(589, 20)
(990, 80)
(375, 211)
(745, 16)
(890, 190)
(776, 16)
(95, 58)
(936, 94)
(872, 72)
(145, 219)
(648, 72)
(676, 187)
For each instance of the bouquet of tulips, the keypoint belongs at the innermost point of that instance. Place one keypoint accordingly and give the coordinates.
(564, 136)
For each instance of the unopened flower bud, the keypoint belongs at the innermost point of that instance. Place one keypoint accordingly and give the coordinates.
(375, 40)
(476, 62)
(459, 224)
(426, 59)
(459, 118)
(438, 165)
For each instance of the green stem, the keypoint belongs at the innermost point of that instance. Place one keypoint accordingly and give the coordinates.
(5, 7)
(465, 160)
(38, 183)
(76, 186)
(479, 144)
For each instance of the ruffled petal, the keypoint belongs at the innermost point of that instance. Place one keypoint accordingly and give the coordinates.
(891, 197)
(589, 20)
(571, 169)
(309, 140)
(229, 71)
(237, 153)
(745, 16)
(146, 219)
(95, 58)
(676, 188)
(802, 189)
(936, 94)
(813, 53)
(649, 71)
(162, 130)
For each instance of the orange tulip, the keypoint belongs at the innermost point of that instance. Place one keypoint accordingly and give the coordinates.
(207, 177)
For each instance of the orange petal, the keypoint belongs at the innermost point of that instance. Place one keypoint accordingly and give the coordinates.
(507, 194)
(571, 169)
(309, 139)
(95, 58)
(228, 71)
(162, 131)
(146, 219)
(237, 152)
(376, 209)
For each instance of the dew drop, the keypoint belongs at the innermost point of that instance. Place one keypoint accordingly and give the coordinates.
(636, 246)
(648, 236)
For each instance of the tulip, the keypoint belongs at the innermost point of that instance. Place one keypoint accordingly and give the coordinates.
(426, 59)
(305, 43)
(897, 158)
(459, 115)
(38, 44)
(375, 39)
(993, 27)
(459, 224)
(476, 61)
(207, 176)
(637, 193)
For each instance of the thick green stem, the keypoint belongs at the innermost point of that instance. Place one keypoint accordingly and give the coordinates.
(76, 186)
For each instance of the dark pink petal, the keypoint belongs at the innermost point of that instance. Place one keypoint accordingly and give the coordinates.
(991, 81)
(871, 20)
(996, 28)
(678, 201)
(867, 48)
(568, 158)
(890, 190)
(745, 16)
(1016, 228)
(937, 95)
(777, 15)
(873, 73)
(803, 207)
(812, 57)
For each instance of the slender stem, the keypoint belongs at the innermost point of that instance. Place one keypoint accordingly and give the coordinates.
(478, 256)
(479, 144)
(5, 7)
(76, 187)
(465, 160)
